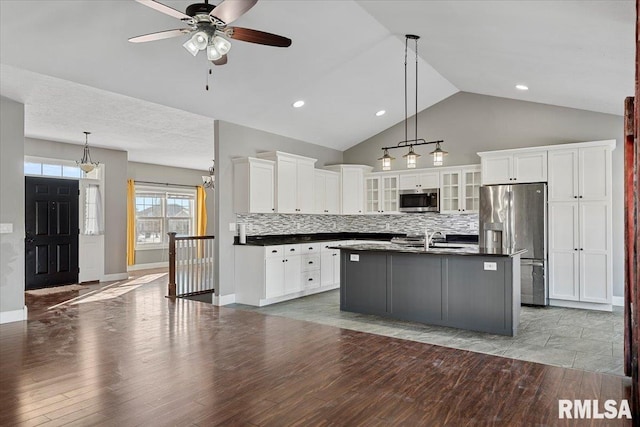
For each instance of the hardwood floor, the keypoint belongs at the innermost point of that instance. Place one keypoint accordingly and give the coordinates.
(141, 359)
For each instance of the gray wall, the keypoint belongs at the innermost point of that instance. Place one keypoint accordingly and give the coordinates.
(238, 141)
(115, 197)
(12, 205)
(469, 123)
(171, 175)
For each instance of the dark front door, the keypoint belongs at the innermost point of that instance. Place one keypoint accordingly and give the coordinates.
(51, 228)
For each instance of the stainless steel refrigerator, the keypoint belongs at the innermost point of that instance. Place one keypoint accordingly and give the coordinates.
(515, 217)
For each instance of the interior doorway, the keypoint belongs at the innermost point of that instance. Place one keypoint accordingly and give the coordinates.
(51, 232)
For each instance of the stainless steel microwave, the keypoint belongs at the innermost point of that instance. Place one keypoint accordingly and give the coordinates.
(420, 200)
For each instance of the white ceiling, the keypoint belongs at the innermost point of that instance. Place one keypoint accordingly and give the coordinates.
(71, 64)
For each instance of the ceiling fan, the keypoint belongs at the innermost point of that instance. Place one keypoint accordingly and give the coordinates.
(208, 26)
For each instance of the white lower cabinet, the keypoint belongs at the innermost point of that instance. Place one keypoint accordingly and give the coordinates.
(269, 274)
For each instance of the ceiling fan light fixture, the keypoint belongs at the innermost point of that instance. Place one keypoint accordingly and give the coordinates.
(222, 45)
(212, 53)
(200, 40)
(191, 47)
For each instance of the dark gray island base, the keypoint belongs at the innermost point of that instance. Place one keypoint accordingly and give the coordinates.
(447, 287)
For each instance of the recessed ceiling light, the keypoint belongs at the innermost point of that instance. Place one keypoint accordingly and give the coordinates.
(298, 104)
(380, 113)
(522, 87)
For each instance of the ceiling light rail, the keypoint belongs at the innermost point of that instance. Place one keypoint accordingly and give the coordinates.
(411, 157)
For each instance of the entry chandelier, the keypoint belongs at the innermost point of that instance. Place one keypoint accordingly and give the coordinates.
(208, 181)
(412, 157)
(86, 164)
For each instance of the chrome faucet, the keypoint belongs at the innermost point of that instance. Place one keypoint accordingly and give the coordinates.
(429, 237)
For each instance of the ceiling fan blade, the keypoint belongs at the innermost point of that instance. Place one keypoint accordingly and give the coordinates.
(230, 10)
(260, 37)
(164, 9)
(220, 61)
(160, 35)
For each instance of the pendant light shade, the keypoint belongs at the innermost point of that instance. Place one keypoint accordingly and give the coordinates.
(86, 164)
(386, 160)
(209, 181)
(412, 158)
(438, 155)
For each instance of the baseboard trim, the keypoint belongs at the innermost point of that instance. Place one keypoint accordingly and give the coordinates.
(618, 301)
(579, 304)
(136, 267)
(13, 316)
(114, 276)
(224, 299)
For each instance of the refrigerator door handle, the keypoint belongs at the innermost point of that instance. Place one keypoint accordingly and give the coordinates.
(532, 262)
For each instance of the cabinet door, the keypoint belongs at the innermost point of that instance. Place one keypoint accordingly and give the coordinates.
(429, 180)
(292, 274)
(352, 191)
(450, 191)
(471, 190)
(336, 267)
(563, 175)
(563, 251)
(261, 188)
(332, 193)
(319, 193)
(326, 267)
(372, 194)
(497, 170)
(594, 173)
(286, 177)
(304, 187)
(274, 277)
(594, 252)
(409, 181)
(390, 194)
(530, 167)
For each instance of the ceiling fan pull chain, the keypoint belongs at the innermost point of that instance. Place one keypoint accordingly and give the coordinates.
(208, 74)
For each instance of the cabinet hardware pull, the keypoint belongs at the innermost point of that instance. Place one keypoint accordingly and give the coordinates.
(310, 279)
(580, 197)
(575, 197)
(274, 251)
(310, 262)
(575, 249)
(581, 249)
(292, 250)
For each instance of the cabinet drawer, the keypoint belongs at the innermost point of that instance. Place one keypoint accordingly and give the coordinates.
(310, 262)
(311, 279)
(291, 250)
(274, 251)
(310, 248)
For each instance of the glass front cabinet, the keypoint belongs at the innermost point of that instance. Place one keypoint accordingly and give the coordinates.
(381, 194)
(459, 190)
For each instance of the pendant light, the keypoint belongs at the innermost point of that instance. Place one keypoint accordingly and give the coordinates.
(209, 181)
(86, 164)
(412, 157)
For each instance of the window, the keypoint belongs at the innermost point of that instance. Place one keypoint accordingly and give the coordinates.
(57, 168)
(161, 212)
(92, 221)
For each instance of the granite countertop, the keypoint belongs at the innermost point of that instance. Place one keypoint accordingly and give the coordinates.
(291, 239)
(467, 250)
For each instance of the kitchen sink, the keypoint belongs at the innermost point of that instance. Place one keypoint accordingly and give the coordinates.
(445, 246)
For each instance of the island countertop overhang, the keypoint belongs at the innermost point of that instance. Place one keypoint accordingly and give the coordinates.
(466, 251)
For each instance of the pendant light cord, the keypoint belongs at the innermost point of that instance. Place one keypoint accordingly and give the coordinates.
(406, 116)
(416, 118)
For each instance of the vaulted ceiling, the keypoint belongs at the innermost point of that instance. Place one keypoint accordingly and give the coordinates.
(71, 64)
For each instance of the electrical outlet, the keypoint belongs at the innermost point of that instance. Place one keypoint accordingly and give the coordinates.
(6, 228)
(354, 257)
(232, 226)
(492, 266)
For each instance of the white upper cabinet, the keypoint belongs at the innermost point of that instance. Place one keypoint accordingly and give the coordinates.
(381, 193)
(253, 185)
(580, 173)
(351, 187)
(294, 182)
(425, 180)
(459, 190)
(513, 166)
(326, 192)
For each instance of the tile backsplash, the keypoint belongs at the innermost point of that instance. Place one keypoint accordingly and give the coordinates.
(263, 224)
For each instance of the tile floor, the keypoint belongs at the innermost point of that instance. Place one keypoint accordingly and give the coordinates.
(569, 338)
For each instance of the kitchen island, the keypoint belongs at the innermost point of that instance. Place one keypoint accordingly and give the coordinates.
(468, 288)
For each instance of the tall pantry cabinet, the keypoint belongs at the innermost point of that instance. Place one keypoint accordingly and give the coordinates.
(580, 228)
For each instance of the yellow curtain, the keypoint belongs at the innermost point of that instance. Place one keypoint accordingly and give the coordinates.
(201, 211)
(131, 222)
